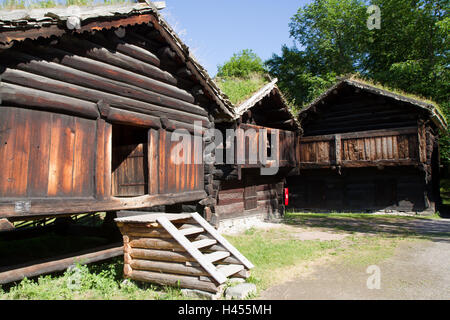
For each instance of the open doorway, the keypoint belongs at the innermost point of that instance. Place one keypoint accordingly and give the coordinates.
(129, 161)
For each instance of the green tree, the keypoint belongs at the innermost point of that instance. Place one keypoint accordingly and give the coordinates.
(409, 51)
(241, 65)
(297, 77)
(331, 33)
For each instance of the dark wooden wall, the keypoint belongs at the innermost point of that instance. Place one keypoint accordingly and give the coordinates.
(271, 112)
(365, 152)
(359, 190)
(86, 123)
(249, 196)
(350, 110)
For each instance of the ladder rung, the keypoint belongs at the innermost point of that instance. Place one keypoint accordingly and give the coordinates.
(204, 243)
(216, 256)
(230, 269)
(191, 231)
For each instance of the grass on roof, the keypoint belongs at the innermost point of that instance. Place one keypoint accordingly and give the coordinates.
(241, 89)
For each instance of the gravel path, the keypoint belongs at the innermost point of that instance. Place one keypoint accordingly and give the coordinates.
(417, 270)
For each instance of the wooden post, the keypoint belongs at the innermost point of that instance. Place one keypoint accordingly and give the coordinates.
(153, 158)
(126, 257)
(337, 147)
(422, 141)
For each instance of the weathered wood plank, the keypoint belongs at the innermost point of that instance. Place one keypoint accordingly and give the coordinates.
(222, 241)
(174, 280)
(100, 159)
(193, 251)
(39, 154)
(153, 159)
(167, 267)
(17, 187)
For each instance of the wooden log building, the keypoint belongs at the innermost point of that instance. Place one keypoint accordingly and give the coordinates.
(241, 188)
(179, 250)
(88, 107)
(367, 149)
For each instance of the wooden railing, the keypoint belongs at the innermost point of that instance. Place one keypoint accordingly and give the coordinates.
(402, 146)
(284, 148)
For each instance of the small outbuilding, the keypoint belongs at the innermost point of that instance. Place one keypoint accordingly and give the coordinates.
(367, 149)
(264, 125)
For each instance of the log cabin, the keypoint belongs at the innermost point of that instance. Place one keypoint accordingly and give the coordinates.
(368, 149)
(241, 189)
(89, 102)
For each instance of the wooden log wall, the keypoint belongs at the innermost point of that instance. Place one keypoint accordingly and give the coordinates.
(250, 196)
(270, 112)
(352, 111)
(152, 255)
(67, 105)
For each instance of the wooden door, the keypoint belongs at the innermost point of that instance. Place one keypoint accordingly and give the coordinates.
(129, 163)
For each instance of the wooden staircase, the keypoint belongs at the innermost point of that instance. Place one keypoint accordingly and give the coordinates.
(179, 249)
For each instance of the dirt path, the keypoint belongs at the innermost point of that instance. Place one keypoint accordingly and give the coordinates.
(418, 269)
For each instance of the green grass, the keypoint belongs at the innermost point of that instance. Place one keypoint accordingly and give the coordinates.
(274, 252)
(239, 90)
(366, 251)
(102, 281)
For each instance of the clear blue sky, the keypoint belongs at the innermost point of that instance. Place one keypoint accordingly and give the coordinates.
(215, 29)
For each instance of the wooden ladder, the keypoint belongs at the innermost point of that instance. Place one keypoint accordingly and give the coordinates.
(219, 273)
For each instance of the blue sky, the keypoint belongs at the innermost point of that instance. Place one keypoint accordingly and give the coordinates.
(215, 29)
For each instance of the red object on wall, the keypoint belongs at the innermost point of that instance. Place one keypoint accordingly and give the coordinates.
(286, 196)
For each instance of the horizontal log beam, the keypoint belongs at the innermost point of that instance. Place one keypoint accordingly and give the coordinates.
(28, 78)
(155, 244)
(111, 40)
(160, 255)
(362, 134)
(68, 71)
(52, 207)
(376, 125)
(174, 280)
(360, 164)
(12, 94)
(61, 264)
(167, 267)
(94, 51)
(132, 118)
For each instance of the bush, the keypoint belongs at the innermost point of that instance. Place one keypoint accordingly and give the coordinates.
(241, 65)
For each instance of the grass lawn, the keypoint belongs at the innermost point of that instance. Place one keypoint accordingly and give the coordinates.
(277, 253)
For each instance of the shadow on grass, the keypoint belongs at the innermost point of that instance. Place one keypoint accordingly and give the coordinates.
(435, 230)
